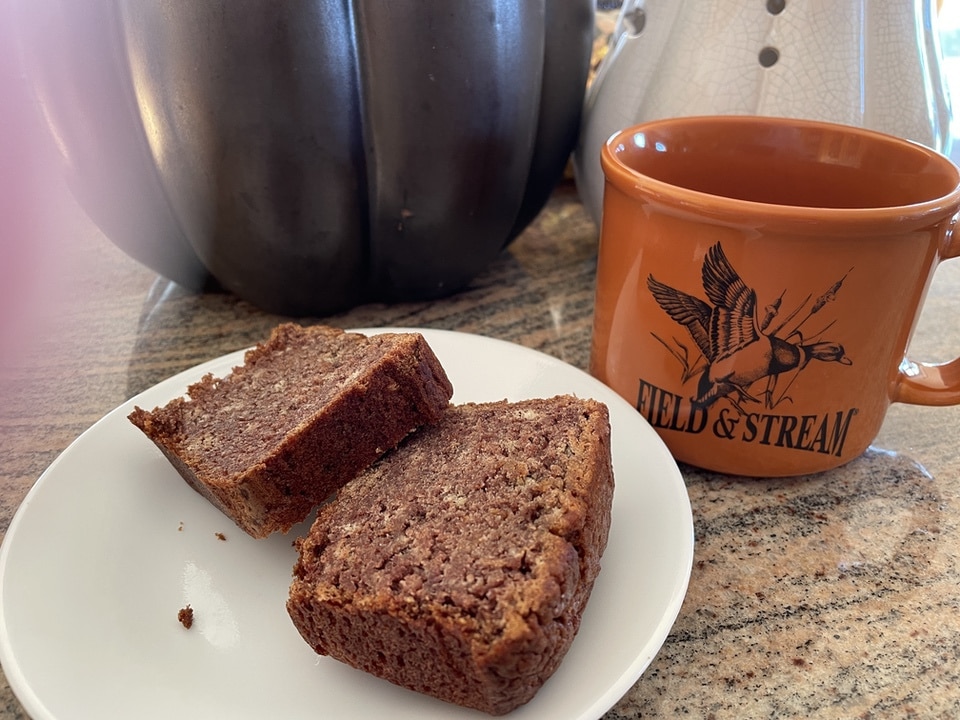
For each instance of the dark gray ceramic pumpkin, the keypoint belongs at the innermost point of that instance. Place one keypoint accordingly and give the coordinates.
(311, 155)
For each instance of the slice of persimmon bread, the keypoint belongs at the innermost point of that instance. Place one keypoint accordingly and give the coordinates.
(307, 410)
(459, 565)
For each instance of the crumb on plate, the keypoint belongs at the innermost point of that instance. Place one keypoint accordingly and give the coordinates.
(185, 616)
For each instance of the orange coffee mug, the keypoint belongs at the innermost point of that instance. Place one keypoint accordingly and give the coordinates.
(758, 282)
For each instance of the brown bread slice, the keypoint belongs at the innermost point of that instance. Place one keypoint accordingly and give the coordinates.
(459, 565)
(309, 409)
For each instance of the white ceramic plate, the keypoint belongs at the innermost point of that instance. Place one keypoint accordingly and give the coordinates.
(110, 543)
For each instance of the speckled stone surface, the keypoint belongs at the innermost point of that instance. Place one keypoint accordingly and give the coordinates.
(836, 595)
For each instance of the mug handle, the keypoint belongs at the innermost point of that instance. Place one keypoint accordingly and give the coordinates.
(932, 383)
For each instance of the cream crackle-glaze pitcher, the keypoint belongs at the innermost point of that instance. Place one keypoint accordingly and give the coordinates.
(871, 63)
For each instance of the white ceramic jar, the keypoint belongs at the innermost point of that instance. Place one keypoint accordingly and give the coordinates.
(871, 63)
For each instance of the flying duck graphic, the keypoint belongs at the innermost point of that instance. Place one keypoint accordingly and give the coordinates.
(732, 338)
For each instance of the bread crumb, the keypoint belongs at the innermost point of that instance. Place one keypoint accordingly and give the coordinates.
(221, 536)
(180, 529)
(185, 617)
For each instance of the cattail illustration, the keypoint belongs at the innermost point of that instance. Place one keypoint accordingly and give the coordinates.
(776, 331)
(770, 312)
(829, 296)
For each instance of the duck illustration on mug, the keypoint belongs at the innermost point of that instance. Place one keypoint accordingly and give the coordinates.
(736, 347)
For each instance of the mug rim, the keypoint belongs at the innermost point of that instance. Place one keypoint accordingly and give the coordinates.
(683, 199)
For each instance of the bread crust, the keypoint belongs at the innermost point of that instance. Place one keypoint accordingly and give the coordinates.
(461, 563)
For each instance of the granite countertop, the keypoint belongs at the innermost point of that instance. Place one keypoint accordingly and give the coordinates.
(836, 595)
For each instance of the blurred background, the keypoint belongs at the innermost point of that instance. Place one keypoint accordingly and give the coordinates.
(949, 20)
(44, 235)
